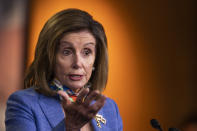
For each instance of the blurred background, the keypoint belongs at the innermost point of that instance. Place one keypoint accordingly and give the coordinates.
(152, 54)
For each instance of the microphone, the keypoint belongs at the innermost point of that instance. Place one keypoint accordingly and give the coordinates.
(155, 124)
(173, 129)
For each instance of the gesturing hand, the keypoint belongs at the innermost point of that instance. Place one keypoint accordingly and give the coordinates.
(82, 111)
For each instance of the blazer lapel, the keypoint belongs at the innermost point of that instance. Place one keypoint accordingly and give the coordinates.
(52, 109)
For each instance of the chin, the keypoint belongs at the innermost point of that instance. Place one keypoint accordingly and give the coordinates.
(76, 86)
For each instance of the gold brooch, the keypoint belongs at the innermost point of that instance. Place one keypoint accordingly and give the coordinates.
(99, 118)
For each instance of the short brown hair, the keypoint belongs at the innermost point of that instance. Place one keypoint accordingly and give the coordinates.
(41, 71)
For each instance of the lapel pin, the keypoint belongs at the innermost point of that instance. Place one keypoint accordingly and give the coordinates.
(99, 118)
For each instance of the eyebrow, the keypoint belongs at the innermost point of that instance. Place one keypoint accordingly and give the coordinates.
(69, 43)
(65, 42)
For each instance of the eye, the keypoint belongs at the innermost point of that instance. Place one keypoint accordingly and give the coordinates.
(67, 52)
(87, 51)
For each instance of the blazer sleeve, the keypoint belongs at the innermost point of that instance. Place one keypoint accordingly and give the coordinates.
(120, 124)
(19, 116)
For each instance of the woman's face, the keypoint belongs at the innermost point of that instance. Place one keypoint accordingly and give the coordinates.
(75, 58)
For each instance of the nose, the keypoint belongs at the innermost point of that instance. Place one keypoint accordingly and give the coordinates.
(77, 61)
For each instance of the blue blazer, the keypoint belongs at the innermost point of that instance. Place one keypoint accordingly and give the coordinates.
(28, 110)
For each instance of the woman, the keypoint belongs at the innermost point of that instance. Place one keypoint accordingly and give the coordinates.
(65, 81)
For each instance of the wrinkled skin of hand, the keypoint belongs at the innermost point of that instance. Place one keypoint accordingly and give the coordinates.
(82, 111)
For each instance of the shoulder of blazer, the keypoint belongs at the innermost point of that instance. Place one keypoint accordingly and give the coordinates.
(26, 96)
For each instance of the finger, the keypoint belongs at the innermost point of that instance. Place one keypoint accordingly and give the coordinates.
(92, 96)
(91, 115)
(82, 95)
(97, 105)
(64, 95)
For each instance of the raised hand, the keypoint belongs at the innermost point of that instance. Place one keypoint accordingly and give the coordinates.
(83, 110)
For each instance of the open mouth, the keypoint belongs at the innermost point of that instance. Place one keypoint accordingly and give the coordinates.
(75, 77)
